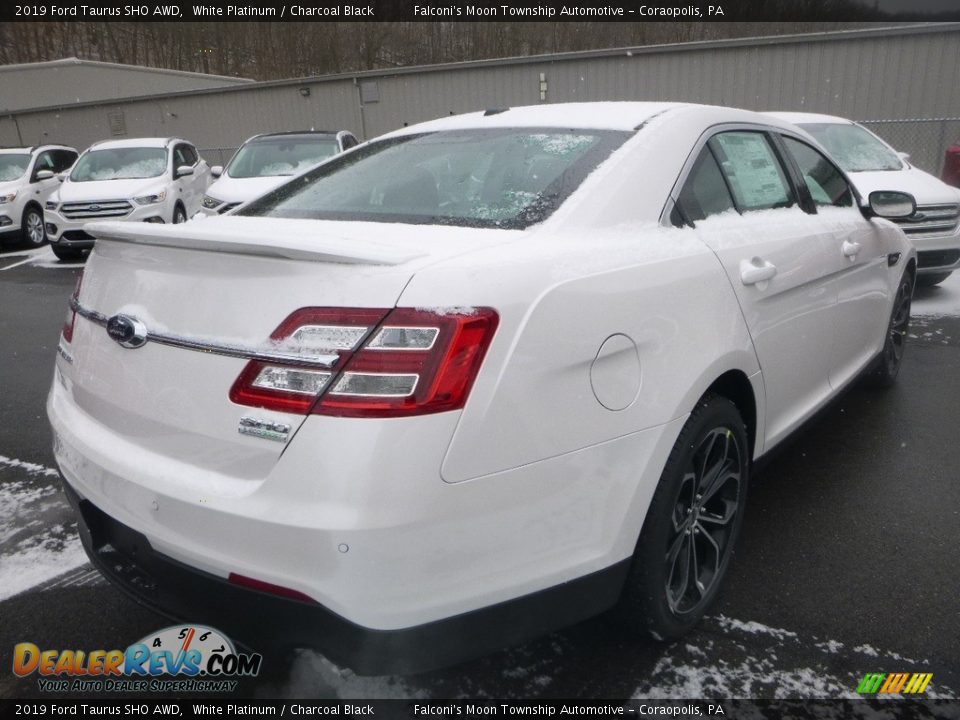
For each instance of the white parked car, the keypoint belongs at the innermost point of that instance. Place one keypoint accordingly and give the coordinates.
(27, 179)
(872, 165)
(153, 180)
(266, 161)
(474, 380)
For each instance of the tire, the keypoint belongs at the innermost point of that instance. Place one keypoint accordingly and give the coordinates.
(179, 215)
(884, 372)
(67, 254)
(711, 457)
(931, 279)
(32, 226)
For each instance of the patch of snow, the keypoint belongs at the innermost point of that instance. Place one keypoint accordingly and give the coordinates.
(39, 559)
(753, 627)
(830, 646)
(938, 301)
(313, 676)
(32, 468)
(867, 650)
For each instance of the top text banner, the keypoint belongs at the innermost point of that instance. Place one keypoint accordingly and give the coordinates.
(484, 10)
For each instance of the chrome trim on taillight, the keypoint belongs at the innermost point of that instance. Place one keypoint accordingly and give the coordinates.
(216, 348)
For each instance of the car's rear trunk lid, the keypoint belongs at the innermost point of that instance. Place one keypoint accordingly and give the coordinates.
(225, 282)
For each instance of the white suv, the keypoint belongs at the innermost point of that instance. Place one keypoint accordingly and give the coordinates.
(872, 164)
(156, 180)
(27, 179)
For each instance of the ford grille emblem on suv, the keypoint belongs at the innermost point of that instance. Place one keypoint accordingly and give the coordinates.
(127, 331)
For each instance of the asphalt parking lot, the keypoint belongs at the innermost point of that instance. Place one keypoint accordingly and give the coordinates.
(847, 562)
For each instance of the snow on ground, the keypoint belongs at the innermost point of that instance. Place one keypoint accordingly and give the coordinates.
(748, 660)
(724, 658)
(38, 538)
(942, 299)
(41, 257)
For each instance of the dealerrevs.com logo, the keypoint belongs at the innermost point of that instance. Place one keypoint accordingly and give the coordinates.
(180, 658)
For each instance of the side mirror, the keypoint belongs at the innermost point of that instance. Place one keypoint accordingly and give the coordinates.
(892, 204)
(183, 171)
(44, 174)
(904, 156)
(216, 170)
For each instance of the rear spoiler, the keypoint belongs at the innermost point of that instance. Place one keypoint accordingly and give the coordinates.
(257, 236)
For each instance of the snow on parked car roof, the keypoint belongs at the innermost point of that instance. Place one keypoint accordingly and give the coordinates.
(134, 143)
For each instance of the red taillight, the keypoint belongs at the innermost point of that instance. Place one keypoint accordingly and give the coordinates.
(71, 317)
(261, 586)
(294, 388)
(410, 362)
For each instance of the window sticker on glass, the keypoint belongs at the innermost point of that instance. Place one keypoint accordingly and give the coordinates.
(752, 170)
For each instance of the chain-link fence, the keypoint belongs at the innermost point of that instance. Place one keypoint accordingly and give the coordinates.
(925, 139)
(217, 156)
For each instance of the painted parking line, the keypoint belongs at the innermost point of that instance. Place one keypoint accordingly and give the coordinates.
(40, 257)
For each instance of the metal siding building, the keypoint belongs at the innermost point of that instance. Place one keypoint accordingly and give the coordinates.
(61, 82)
(905, 76)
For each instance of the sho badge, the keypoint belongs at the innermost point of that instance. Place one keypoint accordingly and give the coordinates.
(127, 331)
(264, 429)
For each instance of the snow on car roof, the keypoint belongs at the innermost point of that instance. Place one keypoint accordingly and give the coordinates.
(593, 115)
(133, 143)
(798, 118)
(624, 116)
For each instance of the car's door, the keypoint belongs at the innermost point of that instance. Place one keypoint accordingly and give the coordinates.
(742, 203)
(858, 257)
(188, 186)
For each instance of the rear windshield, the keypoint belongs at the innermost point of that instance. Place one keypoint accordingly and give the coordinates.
(120, 164)
(508, 178)
(264, 158)
(12, 166)
(855, 149)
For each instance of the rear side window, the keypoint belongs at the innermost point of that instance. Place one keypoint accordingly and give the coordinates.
(503, 178)
(44, 162)
(823, 180)
(704, 193)
(184, 155)
(752, 170)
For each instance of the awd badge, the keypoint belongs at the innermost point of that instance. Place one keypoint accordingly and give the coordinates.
(264, 429)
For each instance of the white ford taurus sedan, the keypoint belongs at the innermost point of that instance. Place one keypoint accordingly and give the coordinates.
(473, 381)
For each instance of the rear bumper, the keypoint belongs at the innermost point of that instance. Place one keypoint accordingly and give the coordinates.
(267, 622)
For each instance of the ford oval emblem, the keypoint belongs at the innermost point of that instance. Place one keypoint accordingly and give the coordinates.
(93, 208)
(127, 331)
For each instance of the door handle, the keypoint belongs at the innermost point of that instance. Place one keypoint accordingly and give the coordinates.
(756, 271)
(850, 249)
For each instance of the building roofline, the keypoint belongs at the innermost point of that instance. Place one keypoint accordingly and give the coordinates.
(764, 40)
(72, 61)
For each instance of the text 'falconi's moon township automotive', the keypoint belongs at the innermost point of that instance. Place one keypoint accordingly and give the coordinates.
(472, 381)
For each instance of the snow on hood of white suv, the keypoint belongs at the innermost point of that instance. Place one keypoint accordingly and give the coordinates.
(233, 190)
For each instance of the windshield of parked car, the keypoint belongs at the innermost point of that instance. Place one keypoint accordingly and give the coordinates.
(13, 166)
(120, 164)
(505, 178)
(856, 149)
(280, 156)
